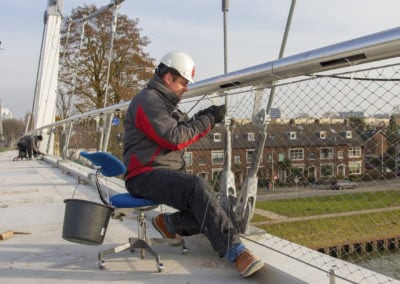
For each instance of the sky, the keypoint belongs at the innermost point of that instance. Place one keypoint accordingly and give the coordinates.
(254, 33)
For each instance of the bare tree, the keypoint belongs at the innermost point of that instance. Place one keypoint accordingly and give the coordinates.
(13, 129)
(84, 61)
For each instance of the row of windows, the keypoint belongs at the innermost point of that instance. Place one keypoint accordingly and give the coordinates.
(217, 157)
(322, 134)
(217, 137)
(295, 154)
(327, 170)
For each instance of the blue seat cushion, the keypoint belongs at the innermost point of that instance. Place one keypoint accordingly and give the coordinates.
(110, 165)
(126, 200)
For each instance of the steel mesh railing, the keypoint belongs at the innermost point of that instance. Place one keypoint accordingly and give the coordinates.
(333, 126)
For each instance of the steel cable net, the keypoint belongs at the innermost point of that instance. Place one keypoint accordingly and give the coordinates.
(328, 174)
(327, 184)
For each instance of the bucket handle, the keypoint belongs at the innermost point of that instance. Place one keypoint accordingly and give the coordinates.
(102, 198)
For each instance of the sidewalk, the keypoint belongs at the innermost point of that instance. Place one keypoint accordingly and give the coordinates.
(32, 197)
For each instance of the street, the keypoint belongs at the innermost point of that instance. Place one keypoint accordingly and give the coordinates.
(321, 190)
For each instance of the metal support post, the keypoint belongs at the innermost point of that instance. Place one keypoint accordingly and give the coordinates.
(332, 275)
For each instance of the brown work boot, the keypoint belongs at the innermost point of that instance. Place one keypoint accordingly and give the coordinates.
(247, 263)
(159, 224)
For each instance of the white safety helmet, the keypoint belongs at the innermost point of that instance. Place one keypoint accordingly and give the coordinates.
(181, 62)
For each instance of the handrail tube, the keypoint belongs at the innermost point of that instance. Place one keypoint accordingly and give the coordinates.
(378, 46)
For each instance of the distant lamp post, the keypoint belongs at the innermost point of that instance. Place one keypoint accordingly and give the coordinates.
(272, 171)
(1, 126)
(225, 9)
(382, 151)
(396, 158)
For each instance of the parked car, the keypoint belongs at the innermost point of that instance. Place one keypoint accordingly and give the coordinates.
(341, 184)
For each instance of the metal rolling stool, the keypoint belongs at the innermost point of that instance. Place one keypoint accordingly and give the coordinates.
(125, 204)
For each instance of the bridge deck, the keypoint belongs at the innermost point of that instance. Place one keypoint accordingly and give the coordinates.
(32, 195)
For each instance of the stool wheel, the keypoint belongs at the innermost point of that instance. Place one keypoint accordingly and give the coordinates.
(160, 267)
(102, 264)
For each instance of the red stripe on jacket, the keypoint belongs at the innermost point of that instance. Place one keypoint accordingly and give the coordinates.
(142, 122)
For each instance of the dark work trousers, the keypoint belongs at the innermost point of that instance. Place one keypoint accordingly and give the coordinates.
(23, 147)
(200, 211)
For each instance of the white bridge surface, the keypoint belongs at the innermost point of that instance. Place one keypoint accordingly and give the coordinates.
(32, 195)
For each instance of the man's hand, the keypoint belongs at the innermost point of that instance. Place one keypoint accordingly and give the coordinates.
(218, 112)
(205, 111)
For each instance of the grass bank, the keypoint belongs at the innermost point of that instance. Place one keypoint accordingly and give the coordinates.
(335, 230)
(338, 230)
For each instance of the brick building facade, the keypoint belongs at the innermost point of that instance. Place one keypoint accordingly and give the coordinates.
(292, 151)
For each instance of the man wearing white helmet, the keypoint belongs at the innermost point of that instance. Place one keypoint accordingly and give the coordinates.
(156, 134)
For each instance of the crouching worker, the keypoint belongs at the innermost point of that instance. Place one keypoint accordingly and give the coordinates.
(156, 134)
(28, 147)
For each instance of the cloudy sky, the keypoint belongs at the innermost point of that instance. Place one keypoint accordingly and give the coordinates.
(255, 29)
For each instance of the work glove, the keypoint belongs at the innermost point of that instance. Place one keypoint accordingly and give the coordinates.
(218, 113)
(205, 111)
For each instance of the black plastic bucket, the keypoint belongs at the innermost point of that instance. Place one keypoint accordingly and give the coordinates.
(85, 222)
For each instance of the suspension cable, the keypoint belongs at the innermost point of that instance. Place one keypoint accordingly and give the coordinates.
(112, 35)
